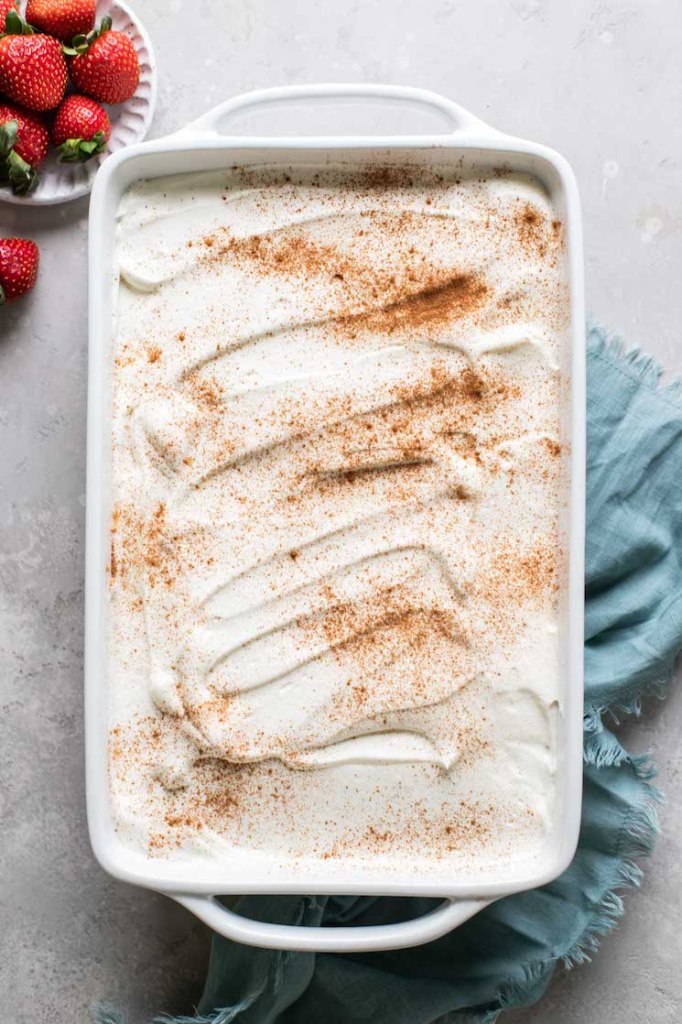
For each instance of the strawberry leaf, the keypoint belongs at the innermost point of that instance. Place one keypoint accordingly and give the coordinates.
(81, 43)
(16, 26)
(21, 175)
(81, 149)
(69, 151)
(8, 137)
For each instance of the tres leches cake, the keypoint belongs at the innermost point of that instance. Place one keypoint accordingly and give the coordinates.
(334, 623)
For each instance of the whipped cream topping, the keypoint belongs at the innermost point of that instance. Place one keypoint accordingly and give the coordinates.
(337, 479)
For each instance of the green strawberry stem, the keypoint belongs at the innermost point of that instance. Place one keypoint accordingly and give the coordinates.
(16, 26)
(81, 149)
(13, 169)
(22, 177)
(8, 137)
(81, 43)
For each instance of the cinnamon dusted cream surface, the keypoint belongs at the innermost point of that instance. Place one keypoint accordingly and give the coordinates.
(338, 471)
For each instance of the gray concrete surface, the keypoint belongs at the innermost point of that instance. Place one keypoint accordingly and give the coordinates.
(599, 81)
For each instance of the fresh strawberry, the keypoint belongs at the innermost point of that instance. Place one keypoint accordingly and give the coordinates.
(81, 128)
(32, 67)
(104, 64)
(5, 7)
(23, 147)
(61, 18)
(19, 258)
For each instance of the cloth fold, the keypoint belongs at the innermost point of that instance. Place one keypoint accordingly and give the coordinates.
(506, 955)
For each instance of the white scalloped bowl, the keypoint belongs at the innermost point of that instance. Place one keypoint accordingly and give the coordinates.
(130, 121)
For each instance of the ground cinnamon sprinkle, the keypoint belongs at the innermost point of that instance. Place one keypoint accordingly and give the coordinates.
(434, 306)
(519, 574)
(292, 254)
(145, 551)
(205, 390)
(533, 229)
(417, 294)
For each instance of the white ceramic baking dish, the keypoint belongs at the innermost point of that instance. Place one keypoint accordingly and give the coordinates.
(211, 143)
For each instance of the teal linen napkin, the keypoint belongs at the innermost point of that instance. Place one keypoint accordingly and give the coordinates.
(506, 955)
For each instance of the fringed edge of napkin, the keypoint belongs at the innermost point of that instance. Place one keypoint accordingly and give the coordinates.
(642, 367)
(105, 1015)
(639, 836)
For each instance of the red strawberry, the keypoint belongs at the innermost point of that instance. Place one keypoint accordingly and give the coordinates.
(81, 128)
(105, 64)
(19, 258)
(61, 18)
(23, 147)
(32, 67)
(5, 6)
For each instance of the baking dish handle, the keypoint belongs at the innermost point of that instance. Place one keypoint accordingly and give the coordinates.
(217, 122)
(363, 939)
